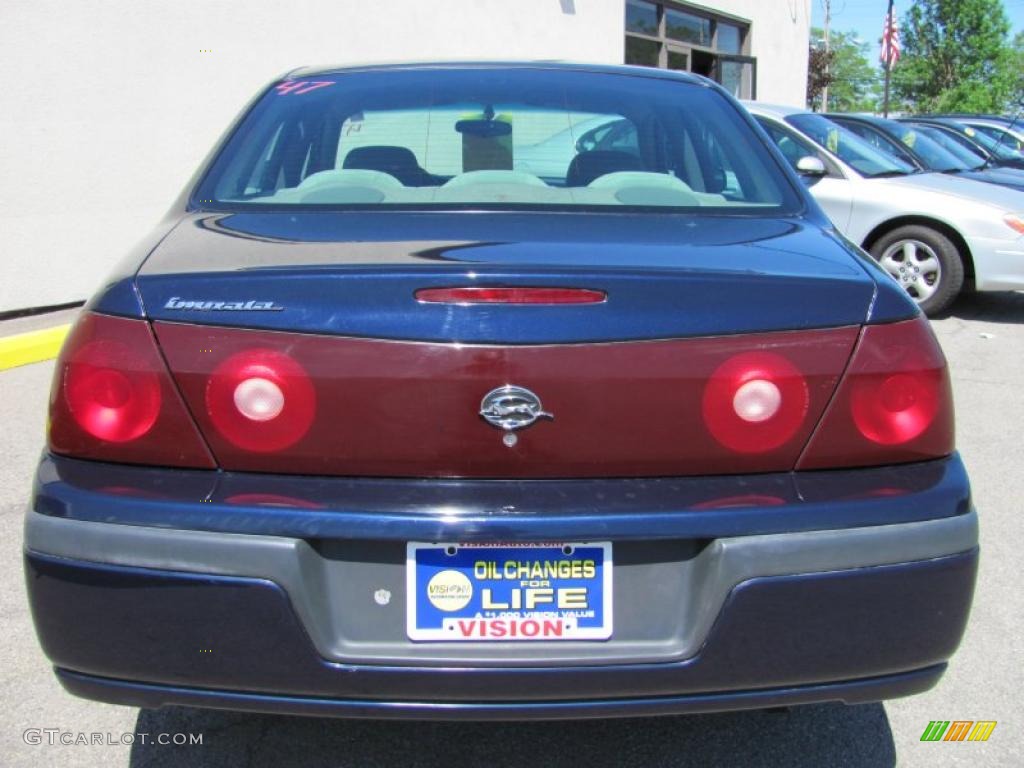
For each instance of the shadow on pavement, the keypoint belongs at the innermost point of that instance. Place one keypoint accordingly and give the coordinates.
(996, 307)
(819, 735)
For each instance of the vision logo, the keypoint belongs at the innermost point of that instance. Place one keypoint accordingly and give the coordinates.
(958, 730)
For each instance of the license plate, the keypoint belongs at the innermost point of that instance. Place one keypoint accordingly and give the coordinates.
(509, 592)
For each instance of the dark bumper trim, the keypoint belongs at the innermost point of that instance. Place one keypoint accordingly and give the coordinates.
(153, 696)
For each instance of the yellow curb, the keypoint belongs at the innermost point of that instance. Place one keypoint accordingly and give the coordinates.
(32, 347)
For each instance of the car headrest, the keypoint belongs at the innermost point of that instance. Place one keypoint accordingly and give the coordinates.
(587, 166)
(399, 162)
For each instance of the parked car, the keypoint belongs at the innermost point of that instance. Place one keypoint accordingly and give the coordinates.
(1000, 119)
(1005, 133)
(1002, 153)
(931, 232)
(955, 141)
(969, 152)
(917, 147)
(644, 441)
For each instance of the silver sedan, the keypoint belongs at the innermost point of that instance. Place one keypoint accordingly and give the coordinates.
(931, 232)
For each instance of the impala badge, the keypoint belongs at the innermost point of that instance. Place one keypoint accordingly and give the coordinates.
(176, 302)
(511, 408)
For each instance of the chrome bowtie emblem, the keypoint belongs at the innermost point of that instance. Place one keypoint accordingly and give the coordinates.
(512, 408)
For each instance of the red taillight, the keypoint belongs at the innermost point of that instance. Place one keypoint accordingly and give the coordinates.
(755, 402)
(894, 409)
(113, 399)
(261, 400)
(484, 295)
(893, 405)
(109, 396)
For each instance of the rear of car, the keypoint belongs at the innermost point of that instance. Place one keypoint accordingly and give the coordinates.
(381, 424)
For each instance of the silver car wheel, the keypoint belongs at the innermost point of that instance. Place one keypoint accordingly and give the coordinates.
(915, 266)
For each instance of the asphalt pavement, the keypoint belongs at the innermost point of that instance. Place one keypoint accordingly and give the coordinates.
(984, 341)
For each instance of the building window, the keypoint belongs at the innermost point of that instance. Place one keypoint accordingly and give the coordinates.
(643, 52)
(673, 35)
(730, 38)
(687, 27)
(641, 17)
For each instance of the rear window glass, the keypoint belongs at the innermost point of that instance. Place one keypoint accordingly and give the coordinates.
(521, 138)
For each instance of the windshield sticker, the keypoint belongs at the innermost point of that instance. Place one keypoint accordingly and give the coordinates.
(832, 141)
(299, 87)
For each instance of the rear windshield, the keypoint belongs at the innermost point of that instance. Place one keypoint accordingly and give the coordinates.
(520, 138)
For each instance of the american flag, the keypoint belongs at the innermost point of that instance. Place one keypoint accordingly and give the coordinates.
(890, 39)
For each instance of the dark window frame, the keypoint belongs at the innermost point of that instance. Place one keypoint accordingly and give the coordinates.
(668, 44)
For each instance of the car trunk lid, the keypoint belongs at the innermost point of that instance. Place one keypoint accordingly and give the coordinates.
(367, 380)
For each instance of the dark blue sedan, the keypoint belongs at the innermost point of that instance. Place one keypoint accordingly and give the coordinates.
(920, 146)
(377, 424)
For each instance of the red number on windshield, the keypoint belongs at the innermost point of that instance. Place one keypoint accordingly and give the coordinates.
(299, 87)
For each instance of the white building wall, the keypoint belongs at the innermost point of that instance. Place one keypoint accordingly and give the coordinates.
(108, 106)
(779, 36)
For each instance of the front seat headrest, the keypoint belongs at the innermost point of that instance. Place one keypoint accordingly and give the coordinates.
(587, 166)
(399, 162)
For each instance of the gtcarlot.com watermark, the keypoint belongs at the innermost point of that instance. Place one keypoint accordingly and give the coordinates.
(55, 736)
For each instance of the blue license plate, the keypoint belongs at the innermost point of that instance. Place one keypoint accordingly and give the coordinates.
(509, 592)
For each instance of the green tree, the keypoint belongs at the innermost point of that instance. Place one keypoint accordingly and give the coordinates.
(1017, 97)
(956, 57)
(854, 82)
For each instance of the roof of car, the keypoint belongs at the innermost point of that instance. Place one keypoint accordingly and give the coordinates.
(775, 110)
(966, 116)
(874, 119)
(993, 122)
(931, 119)
(566, 66)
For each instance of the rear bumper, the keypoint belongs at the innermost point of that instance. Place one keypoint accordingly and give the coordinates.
(153, 696)
(148, 615)
(675, 591)
(151, 637)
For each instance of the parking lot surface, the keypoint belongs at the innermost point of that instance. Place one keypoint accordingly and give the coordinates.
(984, 340)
